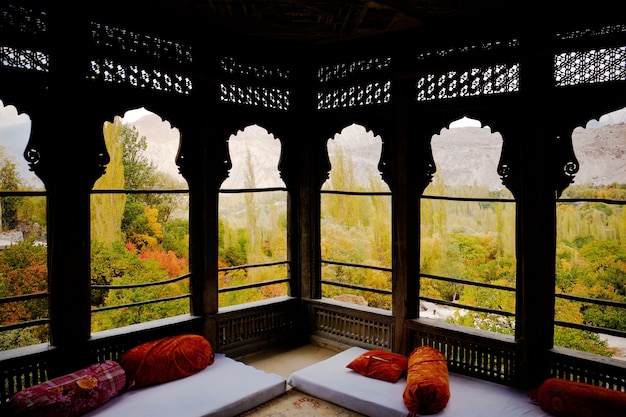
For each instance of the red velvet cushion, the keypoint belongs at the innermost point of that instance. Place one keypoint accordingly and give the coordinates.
(166, 359)
(563, 398)
(427, 388)
(70, 395)
(380, 364)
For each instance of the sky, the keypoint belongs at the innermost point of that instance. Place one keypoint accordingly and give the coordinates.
(133, 115)
(14, 135)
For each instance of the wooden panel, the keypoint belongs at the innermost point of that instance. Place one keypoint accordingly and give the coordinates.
(477, 353)
(352, 325)
(582, 367)
(255, 326)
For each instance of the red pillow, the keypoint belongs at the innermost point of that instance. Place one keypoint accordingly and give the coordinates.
(70, 395)
(166, 359)
(380, 364)
(427, 388)
(563, 398)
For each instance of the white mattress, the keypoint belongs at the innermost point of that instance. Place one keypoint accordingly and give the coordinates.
(225, 388)
(330, 380)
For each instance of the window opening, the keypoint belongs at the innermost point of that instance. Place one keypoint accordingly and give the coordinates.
(139, 225)
(467, 259)
(356, 222)
(253, 262)
(24, 296)
(590, 305)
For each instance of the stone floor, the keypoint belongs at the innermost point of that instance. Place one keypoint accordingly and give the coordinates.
(293, 403)
(286, 361)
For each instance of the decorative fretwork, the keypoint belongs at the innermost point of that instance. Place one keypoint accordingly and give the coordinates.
(22, 372)
(20, 19)
(467, 49)
(576, 366)
(24, 59)
(355, 96)
(248, 329)
(266, 97)
(590, 67)
(593, 32)
(107, 71)
(351, 326)
(134, 43)
(234, 67)
(496, 79)
(472, 352)
(345, 70)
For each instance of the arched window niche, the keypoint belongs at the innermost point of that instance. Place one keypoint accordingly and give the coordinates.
(467, 232)
(252, 242)
(139, 225)
(590, 304)
(356, 222)
(24, 299)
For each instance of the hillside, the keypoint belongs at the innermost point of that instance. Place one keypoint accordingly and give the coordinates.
(463, 155)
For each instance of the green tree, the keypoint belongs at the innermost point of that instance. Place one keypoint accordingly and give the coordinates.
(9, 181)
(119, 266)
(176, 237)
(139, 171)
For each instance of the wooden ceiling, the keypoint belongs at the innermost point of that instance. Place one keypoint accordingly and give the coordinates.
(317, 21)
(330, 21)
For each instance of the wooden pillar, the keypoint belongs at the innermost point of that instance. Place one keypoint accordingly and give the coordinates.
(406, 216)
(536, 210)
(70, 166)
(203, 162)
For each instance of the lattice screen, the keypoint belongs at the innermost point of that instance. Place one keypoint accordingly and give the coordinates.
(495, 79)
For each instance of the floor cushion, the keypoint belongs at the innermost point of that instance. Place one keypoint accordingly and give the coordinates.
(70, 395)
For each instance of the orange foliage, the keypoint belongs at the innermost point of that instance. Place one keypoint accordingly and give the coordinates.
(29, 280)
(131, 247)
(168, 260)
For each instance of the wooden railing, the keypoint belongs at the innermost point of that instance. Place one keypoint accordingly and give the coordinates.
(584, 367)
(350, 324)
(477, 353)
(259, 325)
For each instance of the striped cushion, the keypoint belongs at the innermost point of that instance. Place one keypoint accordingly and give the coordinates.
(70, 395)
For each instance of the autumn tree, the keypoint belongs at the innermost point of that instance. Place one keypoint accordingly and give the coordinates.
(23, 271)
(130, 245)
(107, 208)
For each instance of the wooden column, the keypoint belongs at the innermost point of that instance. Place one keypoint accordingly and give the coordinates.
(536, 209)
(70, 169)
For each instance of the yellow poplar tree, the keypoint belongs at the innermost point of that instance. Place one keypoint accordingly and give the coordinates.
(107, 210)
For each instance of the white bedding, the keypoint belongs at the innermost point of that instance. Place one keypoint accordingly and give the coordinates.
(224, 389)
(330, 380)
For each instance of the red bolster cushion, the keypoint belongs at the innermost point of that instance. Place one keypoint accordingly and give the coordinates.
(166, 359)
(380, 364)
(427, 388)
(70, 395)
(563, 398)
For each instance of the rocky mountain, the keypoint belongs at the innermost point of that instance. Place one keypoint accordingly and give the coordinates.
(468, 156)
(162, 142)
(463, 155)
(253, 148)
(601, 154)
